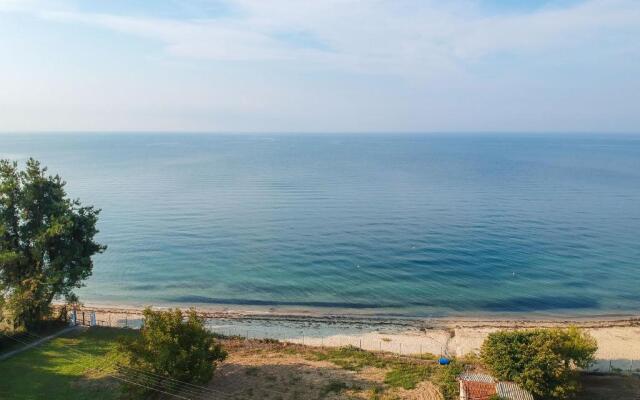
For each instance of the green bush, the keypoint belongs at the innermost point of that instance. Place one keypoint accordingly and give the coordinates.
(172, 346)
(542, 361)
(446, 378)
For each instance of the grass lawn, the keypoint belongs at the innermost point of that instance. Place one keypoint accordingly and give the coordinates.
(54, 371)
(7, 344)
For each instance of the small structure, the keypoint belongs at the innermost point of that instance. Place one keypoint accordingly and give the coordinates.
(471, 390)
(482, 387)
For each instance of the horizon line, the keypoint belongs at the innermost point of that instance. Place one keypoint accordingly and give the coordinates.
(293, 132)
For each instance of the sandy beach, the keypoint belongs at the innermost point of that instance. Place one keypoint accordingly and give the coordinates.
(618, 337)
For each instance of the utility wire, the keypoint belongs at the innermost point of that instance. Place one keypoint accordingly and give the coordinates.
(191, 388)
(150, 381)
(112, 375)
(149, 385)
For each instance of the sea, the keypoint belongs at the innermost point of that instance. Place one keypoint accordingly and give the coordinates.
(409, 225)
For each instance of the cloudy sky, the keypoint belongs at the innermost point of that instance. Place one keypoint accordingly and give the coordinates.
(320, 66)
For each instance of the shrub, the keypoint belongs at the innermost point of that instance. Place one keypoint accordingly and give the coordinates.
(542, 361)
(446, 378)
(172, 346)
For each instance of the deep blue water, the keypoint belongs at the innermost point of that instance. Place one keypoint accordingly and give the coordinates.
(389, 224)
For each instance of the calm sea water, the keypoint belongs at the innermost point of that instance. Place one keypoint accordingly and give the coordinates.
(387, 224)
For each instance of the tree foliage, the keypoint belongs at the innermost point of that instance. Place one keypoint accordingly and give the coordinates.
(46, 242)
(543, 361)
(174, 345)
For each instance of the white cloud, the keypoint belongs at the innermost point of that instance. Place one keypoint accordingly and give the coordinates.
(549, 28)
(330, 65)
(373, 36)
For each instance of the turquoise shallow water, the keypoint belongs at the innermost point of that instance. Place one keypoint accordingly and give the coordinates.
(412, 225)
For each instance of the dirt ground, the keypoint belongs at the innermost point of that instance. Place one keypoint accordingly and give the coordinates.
(610, 387)
(272, 370)
(256, 370)
(284, 371)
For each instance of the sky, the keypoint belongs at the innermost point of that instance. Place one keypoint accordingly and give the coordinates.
(320, 66)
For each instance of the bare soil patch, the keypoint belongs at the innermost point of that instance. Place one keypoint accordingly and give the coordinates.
(267, 370)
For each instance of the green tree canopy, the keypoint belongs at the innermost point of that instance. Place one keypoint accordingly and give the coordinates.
(174, 345)
(46, 242)
(543, 361)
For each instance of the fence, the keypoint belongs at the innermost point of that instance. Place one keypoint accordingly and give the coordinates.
(91, 318)
(412, 345)
(616, 366)
(309, 337)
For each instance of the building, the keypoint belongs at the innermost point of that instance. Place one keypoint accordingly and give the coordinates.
(483, 387)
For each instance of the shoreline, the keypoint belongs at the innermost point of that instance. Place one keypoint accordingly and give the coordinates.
(505, 320)
(618, 337)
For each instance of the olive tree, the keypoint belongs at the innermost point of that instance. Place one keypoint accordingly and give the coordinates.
(46, 242)
(542, 361)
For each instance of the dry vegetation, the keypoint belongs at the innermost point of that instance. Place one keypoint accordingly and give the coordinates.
(266, 369)
(260, 369)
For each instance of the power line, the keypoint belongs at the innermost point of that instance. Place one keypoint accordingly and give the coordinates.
(149, 380)
(145, 385)
(192, 388)
(149, 385)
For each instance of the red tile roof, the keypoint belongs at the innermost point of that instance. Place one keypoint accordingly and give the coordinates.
(479, 390)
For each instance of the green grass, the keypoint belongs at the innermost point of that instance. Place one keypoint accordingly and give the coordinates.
(55, 371)
(407, 375)
(17, 339)
(351, 358)
(403, 372)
